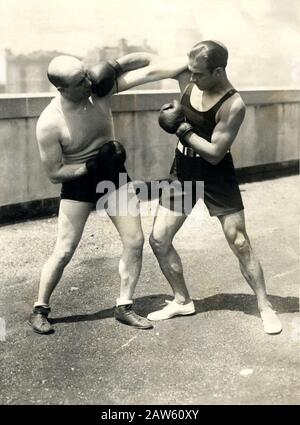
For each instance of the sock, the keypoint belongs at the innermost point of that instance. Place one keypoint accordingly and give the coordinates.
(37, 304)
(123, 301)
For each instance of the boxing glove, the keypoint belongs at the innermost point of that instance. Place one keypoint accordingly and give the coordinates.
(113, 151)
(111, 155)
(171, 116)
(183, 129)
(103, 77)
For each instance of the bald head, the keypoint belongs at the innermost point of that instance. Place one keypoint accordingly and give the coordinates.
(62, 69)
(213, 52)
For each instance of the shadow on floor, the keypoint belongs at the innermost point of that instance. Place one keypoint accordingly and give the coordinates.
(245, 303)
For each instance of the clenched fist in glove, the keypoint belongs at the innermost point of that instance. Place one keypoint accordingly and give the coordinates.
(110, 158)
(172, 119)
(103, 77)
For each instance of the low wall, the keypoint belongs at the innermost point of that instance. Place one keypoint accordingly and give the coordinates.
(268, 139)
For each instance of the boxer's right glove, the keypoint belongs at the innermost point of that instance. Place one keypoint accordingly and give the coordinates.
(171, 118)
(111, 155)
(183, 129)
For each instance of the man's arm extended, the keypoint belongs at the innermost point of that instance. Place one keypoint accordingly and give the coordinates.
(184, 78)
(230, 119)
(153, 72)
(51, 156)
(136, 60)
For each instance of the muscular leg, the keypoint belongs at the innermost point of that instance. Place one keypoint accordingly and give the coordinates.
(130, 230)
(166, 225)
(235, 232)
(71, 221)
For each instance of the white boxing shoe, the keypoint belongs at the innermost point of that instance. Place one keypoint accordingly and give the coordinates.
(271, 323)
(171, 310)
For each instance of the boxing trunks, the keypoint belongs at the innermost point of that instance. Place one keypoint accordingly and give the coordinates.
(84, 188)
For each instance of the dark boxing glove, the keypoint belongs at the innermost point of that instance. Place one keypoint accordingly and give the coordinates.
(113, 151)
(111, 156)
(183, 129)
(171, 116)
(103, 77)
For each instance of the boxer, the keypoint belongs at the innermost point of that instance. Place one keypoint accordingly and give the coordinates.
(206, 123)
(76, 141)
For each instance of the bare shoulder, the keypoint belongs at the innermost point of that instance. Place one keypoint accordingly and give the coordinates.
(49, 123)
(236, 103)
(233, 107)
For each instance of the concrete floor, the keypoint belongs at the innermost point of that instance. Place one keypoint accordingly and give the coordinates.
(201, 359)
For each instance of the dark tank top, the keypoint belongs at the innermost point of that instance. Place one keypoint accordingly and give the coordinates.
(197, 168)
(203, 122)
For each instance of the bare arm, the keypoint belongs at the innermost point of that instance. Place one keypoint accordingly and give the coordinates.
(153, 72)
(136, 60)
(230, 119)
(51, 156)
(183, 79)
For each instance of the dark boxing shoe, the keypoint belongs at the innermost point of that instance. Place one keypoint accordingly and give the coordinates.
(126, 315)
(38, 320)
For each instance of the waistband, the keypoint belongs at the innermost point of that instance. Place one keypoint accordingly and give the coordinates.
(185, 150)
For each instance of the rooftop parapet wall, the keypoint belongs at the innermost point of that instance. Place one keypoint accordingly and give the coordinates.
(270, 134)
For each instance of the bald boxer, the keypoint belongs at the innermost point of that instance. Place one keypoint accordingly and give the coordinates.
(206, 123)
(75, 135)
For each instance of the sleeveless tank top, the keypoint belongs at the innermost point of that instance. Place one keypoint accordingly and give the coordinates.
(79, 154)
(203, 122)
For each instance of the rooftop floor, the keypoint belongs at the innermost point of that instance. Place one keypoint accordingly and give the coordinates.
(92, 359)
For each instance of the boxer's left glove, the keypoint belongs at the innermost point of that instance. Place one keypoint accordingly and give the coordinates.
(103, 76)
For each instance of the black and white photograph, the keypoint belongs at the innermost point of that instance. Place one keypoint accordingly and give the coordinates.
(149, 205)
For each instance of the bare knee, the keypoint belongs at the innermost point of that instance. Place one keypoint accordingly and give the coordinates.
(134, 244)
(238, 242)
(159, 244)
(63, 254)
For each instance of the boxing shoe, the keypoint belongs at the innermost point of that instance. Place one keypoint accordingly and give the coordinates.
(126, 315)
(39, 322)
(171, 310)
(271, 323)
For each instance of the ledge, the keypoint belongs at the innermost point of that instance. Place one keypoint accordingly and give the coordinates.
(31, 106)
(49, 207)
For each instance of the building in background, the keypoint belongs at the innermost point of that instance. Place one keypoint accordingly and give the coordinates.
(99, 54)
(27, 73)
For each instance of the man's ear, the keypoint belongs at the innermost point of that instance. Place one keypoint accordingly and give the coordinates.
(218, 71)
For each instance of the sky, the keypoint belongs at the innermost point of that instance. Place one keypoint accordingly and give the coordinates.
(261, 32)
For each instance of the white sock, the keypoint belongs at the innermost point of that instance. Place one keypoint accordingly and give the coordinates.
(123, 301)
(37, 304)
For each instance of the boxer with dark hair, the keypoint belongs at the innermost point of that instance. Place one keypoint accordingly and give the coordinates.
(75, 135)
(206, 123)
